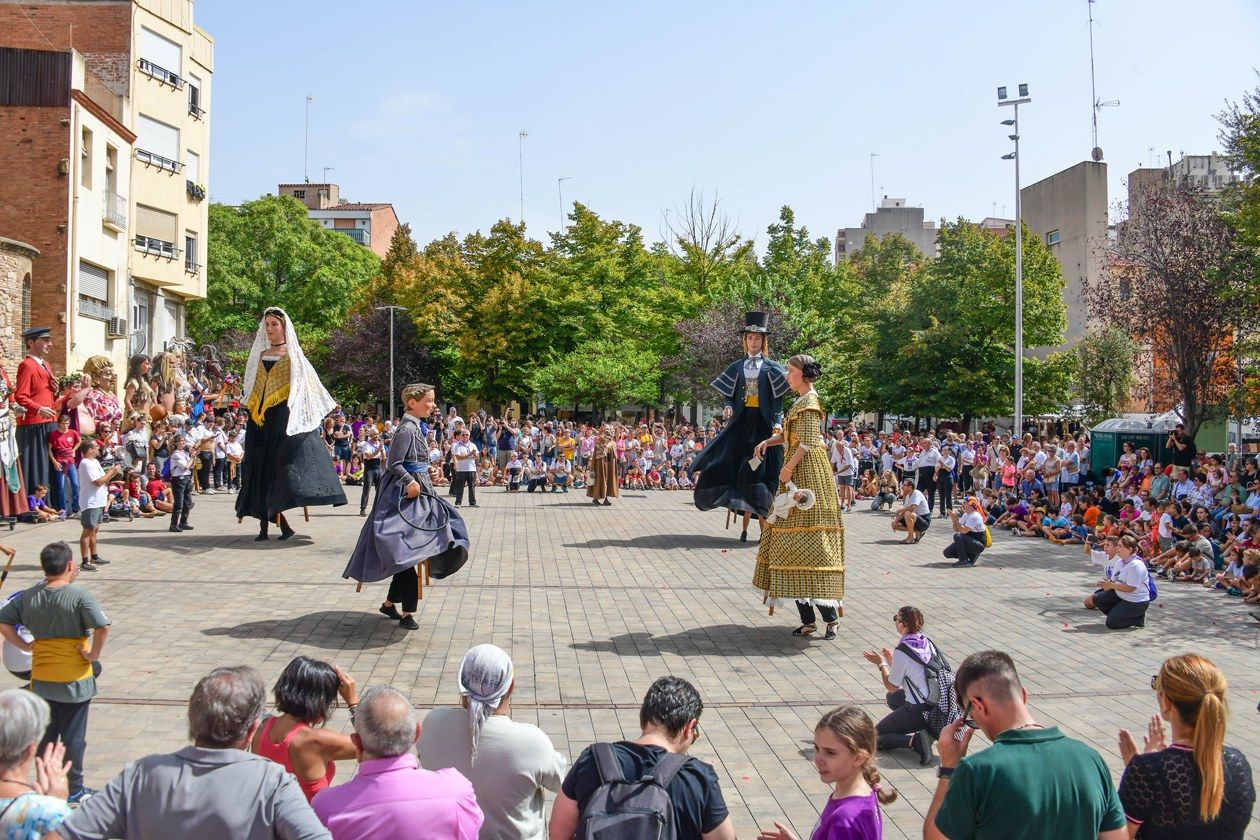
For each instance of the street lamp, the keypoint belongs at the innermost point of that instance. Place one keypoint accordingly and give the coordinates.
(1022, 99)
(391, 356)
(560, 189)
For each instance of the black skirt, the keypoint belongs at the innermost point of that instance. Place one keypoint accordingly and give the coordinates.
(282, 471)
(726, 480)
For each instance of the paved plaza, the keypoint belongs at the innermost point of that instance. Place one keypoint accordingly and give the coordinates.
(595, 603)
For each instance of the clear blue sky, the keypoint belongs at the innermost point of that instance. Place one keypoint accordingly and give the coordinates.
(420, 103)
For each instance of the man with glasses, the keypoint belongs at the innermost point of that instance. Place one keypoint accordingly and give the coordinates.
(1033, 782)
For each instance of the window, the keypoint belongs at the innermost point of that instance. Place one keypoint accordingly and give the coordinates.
(94, 291)
(85, 163)
(160, 57)
(299, 193)
(139, 321)
(156, 231)
(194, 97)
(192, 166)
(190, 252)
(111, 167)
(26, 302)
(157, 143)
(1052, 238)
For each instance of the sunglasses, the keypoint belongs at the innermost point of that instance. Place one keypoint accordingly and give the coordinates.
(967, 718)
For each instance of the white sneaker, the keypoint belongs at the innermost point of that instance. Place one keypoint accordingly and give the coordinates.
(207, 492)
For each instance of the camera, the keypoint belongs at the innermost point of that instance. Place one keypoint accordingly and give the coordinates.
(111, 461)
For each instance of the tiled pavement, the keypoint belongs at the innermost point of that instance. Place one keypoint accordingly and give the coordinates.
(595, 603)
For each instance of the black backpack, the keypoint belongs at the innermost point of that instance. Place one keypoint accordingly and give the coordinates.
(940, 681)
(623, 809)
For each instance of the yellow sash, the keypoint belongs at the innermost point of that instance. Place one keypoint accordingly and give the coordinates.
(271, 387)
(752, 401)
(60, 660)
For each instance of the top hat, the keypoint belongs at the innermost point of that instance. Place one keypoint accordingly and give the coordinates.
(756, 322)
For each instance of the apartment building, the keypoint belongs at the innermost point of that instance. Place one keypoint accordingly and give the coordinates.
(151, 56)
(892, 216)
(371, 224)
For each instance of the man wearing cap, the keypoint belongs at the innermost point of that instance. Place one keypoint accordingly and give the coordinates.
(36, 391)
(752, 389)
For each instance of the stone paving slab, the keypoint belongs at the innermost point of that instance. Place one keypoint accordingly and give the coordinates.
(595, 603)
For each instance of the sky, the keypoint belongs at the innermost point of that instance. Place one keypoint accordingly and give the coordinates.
(762, 104)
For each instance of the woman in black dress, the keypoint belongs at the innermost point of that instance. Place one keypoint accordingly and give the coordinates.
(285, 465)
(1196, 786)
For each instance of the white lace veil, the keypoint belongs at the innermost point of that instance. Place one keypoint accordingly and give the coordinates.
(309, 401)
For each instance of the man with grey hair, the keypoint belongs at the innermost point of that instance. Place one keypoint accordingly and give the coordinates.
(390, 796)
(215, 787)
(24, 807)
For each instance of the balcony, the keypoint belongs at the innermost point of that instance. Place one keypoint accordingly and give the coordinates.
(166, 77)
(152, 159)
(92, 308)
(191, 267)
(114, 210)
(157, 247)
(360, 235)
(195, 191)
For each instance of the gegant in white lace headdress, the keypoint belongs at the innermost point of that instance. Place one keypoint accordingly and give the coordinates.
(309, 401)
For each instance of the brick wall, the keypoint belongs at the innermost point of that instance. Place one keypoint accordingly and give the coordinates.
(101, 30)
(15, 268)
(34, 206)
(384, 225)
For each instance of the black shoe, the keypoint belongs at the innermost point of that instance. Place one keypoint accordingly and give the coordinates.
(285, 533)
(743, 536)
(607, 503)
(960, 564)
(174, 529)
(923, 746)
(186, 527)
(408, 623)
(259, 538)
(594, 501)
(390, 612)
(474, 504)
(100, 561)
(363, 513)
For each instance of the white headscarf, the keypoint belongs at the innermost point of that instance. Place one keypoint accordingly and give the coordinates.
(485, 676)
(309, 401)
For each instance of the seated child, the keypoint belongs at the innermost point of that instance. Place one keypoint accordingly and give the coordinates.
(654, 479)
(1056, 527)
(671, 480)
(40, 509)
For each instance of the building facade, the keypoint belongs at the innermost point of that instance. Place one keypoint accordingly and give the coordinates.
(121, 228)
(892, 216)
(371, 224)
(1068, 211)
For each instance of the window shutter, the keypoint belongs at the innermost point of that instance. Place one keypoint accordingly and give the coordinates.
(155, 224)
(158, 138)
(93, 281)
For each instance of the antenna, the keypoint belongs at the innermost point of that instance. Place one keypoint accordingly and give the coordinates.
(520, 149)
(306, 143)
(1095, 104)
(873, 156)
(327, 169)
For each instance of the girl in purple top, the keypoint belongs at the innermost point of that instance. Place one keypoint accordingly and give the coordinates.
(844, 755)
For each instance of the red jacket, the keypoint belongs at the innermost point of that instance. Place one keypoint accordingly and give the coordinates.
(36, 389)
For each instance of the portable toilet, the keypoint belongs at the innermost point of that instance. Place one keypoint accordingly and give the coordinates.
(1107, 439)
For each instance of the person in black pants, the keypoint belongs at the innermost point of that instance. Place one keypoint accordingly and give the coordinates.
(905, 680)
(370, 451)
(926, 476)
(181, 486)
(969, 533)
(944, 480)
(464, 461)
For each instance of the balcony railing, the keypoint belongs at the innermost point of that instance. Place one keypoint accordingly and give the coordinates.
(157, 247)
(114, 209)
(195, 191)
(152, 159)
(91, 308)
(360, 235)
(196, 111)
(166, 77)
(191, 267)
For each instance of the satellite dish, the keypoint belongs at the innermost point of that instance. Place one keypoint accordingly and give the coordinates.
(1096, 154)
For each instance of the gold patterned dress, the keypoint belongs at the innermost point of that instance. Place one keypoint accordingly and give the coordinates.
(801, 556)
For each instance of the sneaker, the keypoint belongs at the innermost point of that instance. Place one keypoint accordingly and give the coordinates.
(174, 529)
(390, 612)
(100, 561)
(80, 795)
(207, 492)
(408, 623)
(88, 566)
(186, 527)
(923, 746)
(474, 504)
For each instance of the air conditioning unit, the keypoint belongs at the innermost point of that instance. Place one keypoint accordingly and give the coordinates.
(118, 328)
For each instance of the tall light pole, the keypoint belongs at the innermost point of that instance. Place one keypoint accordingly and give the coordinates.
(306, 143)
(391, 357)
(520, 149)
(1022, 99)
(560, 189)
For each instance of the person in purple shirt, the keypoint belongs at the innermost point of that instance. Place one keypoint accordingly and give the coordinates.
(844, 756)
(390, 796)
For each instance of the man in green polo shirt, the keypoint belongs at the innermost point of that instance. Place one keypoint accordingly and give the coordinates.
(70, 630)
(1033, 783)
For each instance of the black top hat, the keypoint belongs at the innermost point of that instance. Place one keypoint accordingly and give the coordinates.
(37, 332)
(756, 322)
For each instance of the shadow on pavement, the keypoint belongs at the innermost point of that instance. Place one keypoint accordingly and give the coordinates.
(666, 542)
(188, 544)
(719, 640)
(329, 629)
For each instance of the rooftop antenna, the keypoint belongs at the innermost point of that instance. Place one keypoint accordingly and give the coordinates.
(1096, 104)
(327, 169)
(306, 143)
(873, 156)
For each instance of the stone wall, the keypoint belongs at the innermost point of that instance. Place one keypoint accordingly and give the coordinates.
(15, 273)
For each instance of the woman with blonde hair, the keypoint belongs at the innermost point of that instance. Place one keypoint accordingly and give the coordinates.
(1195, 786)
(844, 756)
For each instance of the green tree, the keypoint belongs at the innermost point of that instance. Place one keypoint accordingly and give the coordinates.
(1102, 371)
(268, 253)
(602, 373)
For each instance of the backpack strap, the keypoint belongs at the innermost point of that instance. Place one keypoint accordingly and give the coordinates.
(665, 770)
(606, 763)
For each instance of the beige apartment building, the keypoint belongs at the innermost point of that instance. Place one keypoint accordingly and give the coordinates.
(110, 184)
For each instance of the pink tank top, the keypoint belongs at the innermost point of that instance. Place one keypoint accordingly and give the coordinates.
(279, 753)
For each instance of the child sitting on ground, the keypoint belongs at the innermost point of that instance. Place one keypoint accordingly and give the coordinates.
(1163, 562)
(654, 479)
(684, 480)
(1056, 528)
(869, 485)
(671, 480)
(634, 478)
(40, 509)
(1016, 510)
